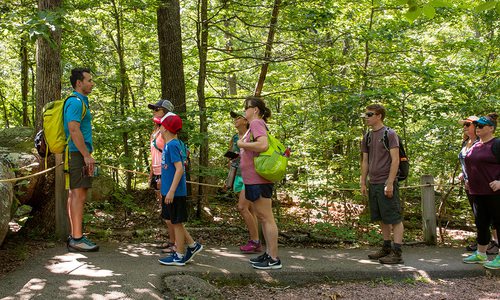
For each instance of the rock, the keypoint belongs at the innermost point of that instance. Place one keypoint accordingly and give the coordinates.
(6, 200)
(186, 286)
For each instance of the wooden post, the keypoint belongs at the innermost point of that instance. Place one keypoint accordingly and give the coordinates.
(428, 210)
(62, 222)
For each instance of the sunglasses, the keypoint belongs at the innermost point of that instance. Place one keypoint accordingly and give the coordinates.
(157, 109)
(467, 124)
(368, 114)
(247, 107)
(480, 126)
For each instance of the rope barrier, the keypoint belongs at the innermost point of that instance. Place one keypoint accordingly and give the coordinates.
(145, 174)
(29, 176)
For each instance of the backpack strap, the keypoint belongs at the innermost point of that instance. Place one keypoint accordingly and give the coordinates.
(154, 142)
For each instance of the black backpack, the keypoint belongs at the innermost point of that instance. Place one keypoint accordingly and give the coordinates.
(495, 148)
(404, 164)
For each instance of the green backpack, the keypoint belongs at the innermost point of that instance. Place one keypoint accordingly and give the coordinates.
(271, 164)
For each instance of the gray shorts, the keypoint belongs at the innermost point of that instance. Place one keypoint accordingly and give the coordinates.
(76, 178)
(387, 210)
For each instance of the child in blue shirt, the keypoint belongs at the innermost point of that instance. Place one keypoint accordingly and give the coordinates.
(173, 190)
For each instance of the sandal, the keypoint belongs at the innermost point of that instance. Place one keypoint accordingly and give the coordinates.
(168, 247)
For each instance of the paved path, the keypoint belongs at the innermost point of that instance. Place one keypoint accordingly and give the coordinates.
(131, 271)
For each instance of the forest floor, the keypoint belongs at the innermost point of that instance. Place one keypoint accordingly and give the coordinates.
(221, 225)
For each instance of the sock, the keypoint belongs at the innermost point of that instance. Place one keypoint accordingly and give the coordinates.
(77, 239)
(256, 241)
(480, 253)
(192, 245)
(179, 255)
(397, 246)
(387, 244)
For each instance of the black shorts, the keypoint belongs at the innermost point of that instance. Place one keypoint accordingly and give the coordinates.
(76, 178)
(254, 191)
(176, 211)
(154, 182)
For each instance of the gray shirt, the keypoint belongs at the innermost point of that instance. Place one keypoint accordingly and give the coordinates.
(379, 158)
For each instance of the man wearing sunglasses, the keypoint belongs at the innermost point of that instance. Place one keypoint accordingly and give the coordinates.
(380, 165)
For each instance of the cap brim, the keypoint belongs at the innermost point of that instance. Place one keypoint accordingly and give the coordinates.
(157, 120)
(152, 106)
(235, 115)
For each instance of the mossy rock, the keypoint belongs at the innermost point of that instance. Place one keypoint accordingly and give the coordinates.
(17, 138)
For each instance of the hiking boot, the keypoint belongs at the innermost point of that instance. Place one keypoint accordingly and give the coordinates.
(172, 260)
(384, 251)
(268, 264)
(492, 248)
(251, 247)
(394, 257)
(259, 259)
(191, 252)
(493, 264)
(476, 258)
(81, 245)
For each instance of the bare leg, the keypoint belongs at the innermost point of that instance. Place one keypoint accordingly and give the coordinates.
(246, 210)
(76, 202)
(263, 209)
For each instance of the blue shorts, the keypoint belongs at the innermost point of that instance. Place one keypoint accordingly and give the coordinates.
(238, 184)
(255, 191)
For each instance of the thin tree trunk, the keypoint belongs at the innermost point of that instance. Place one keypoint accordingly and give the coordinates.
(4, 109)
(202, 33)
(367, 51)
(269, 46)
(23, 53)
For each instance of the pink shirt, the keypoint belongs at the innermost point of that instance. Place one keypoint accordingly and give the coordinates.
(155, 153)
(257, 129)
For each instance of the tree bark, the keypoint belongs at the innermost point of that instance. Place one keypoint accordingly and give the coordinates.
(202, 43)
(269, 46)
(48, 60)
(23, 53)
(171, 65)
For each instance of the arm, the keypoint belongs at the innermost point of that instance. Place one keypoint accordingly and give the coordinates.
(389, 184)
(77, 138)
(364, 173)
(179, 170)
(259, 145)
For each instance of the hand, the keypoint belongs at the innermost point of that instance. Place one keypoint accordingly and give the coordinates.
(495, 185)
(467, 184)
(389, 190)
(239, 143)
(90, 163)
(364, 191)
(169, 198)
(461, 176)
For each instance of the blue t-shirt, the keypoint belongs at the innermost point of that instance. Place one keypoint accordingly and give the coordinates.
(172, 152)
(73, 112)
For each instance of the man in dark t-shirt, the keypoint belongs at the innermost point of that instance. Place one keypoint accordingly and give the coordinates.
(380, 165)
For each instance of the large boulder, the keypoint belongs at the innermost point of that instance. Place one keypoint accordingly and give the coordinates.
(6, 200)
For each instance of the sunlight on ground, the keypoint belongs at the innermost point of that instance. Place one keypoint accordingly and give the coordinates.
(69, 264)
(30, 289)
(136, 250)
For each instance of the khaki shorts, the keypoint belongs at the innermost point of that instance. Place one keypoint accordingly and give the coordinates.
(76, 178)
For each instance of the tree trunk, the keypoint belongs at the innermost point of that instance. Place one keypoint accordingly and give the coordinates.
(48, 60)
(23, 53)
(171, 65)
(202, 43)
(173, 86)
(48, 88)
(269, 46)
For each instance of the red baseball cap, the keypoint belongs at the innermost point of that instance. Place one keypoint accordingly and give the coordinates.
(171, 122)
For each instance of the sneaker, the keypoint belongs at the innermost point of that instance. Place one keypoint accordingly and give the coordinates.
(172, 260)
(394, 257)
(476, 258)
(259, 259)
(251, 247)
(384, 251)
(191, 252)
(268, 264)
(493, 264)
(81, 245)
(492, 248)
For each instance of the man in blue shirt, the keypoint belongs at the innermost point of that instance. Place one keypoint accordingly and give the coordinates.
(78, 126)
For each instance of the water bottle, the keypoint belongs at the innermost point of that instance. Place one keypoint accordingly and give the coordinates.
(287, 152)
